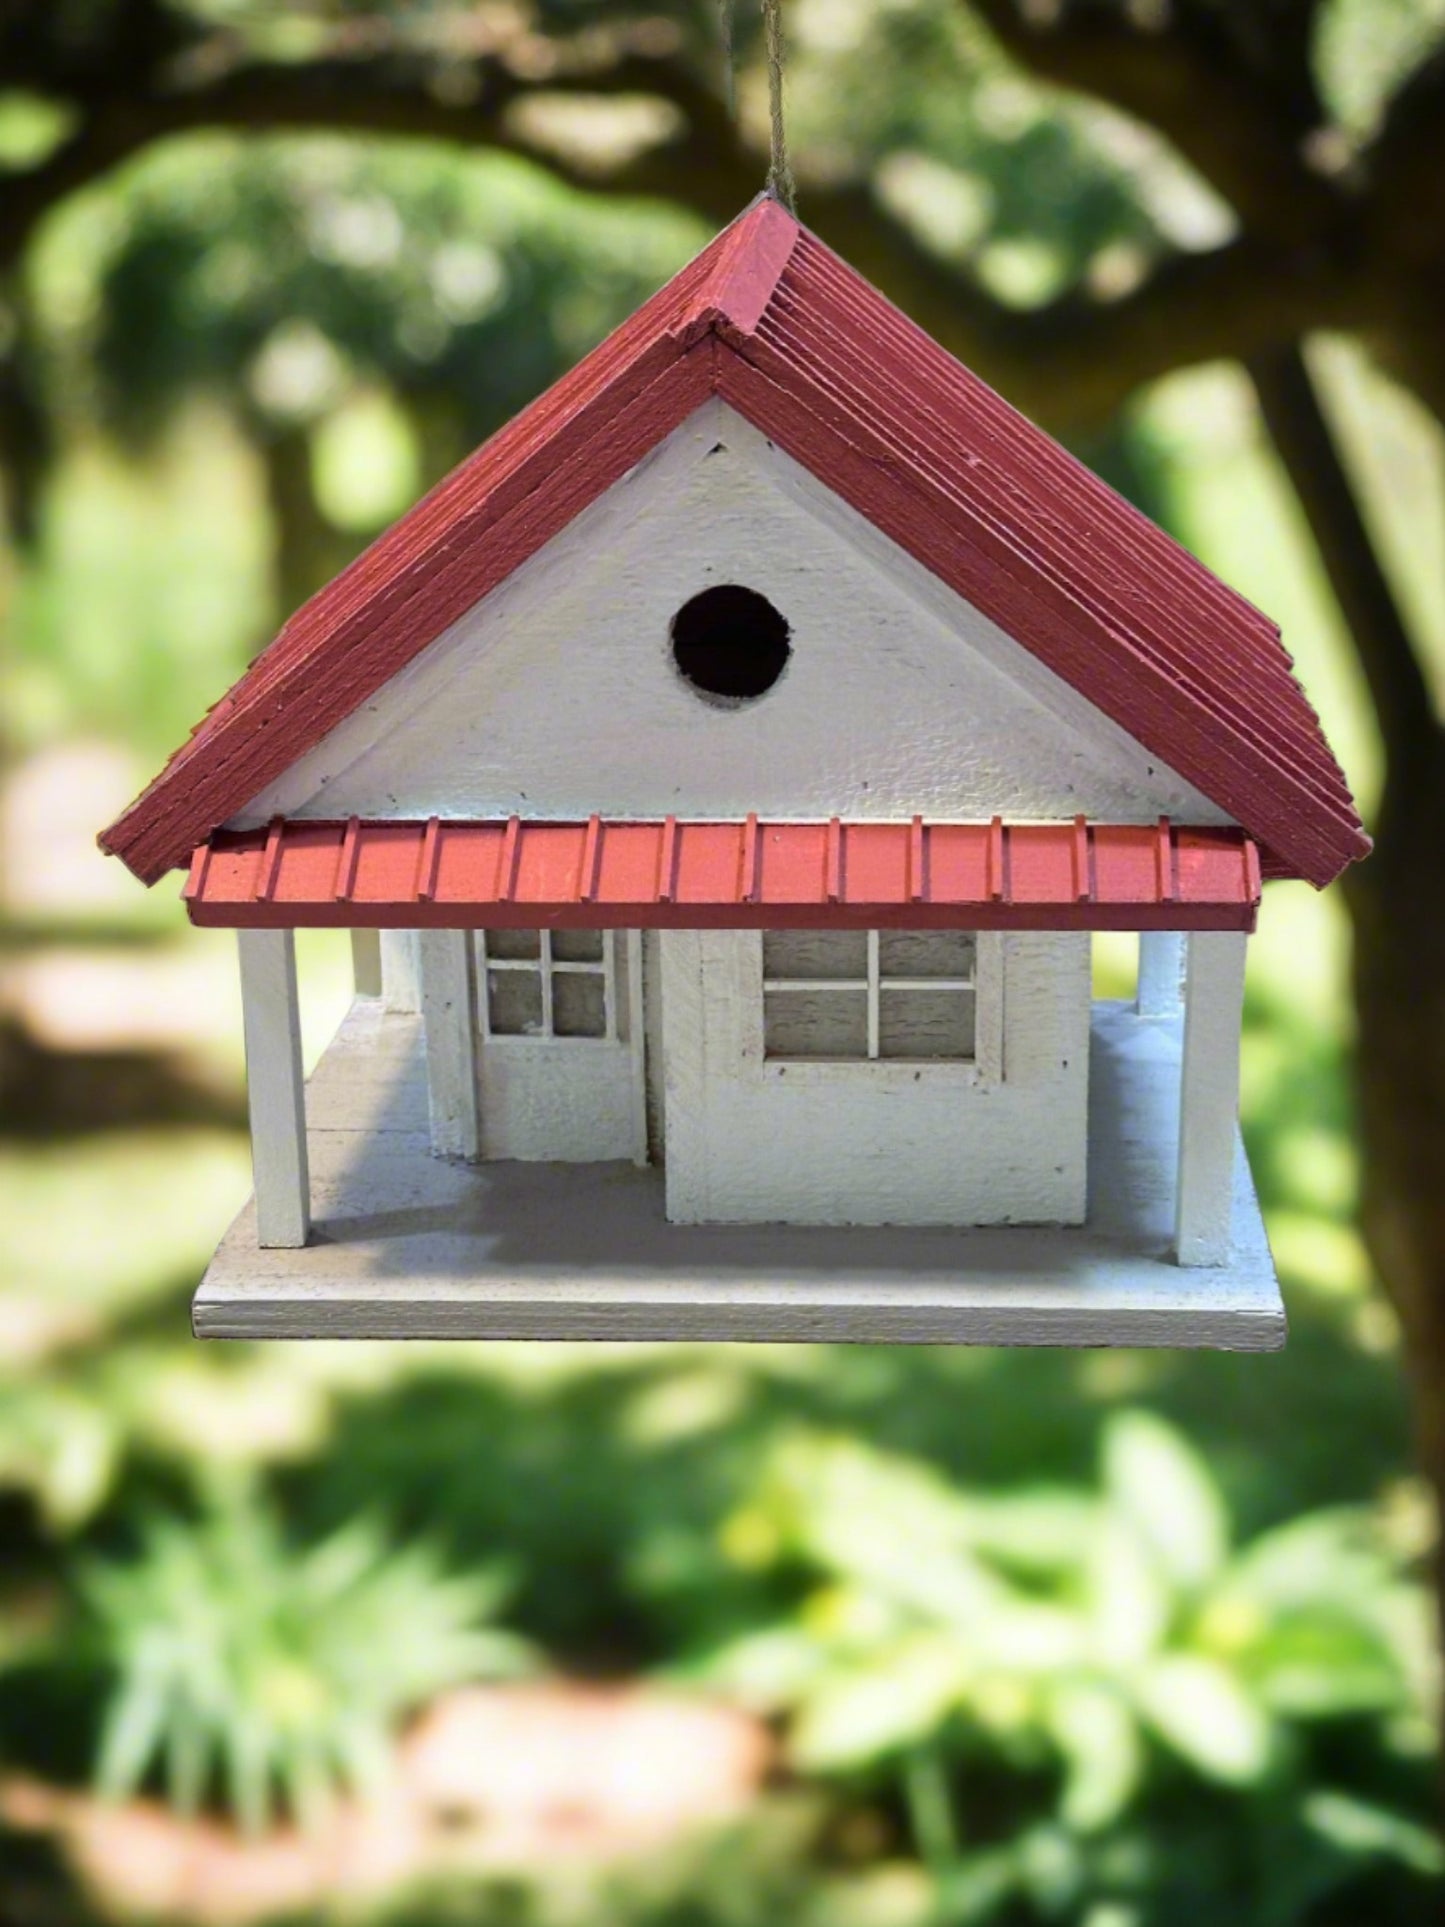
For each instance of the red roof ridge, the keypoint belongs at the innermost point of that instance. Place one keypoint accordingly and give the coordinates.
(752, 254)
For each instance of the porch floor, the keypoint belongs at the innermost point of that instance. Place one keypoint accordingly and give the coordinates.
(405, 1245)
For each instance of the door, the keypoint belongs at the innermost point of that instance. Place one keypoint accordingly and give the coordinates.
(560, 1050)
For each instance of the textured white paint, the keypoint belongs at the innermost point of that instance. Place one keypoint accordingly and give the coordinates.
(1161, 973)
(566, 1099)
(557, 695)
(366, 972)
(271, 1017)
(901, 1142)
(400, 982)
(1209, 1096)
(415, 1247)
(449, 1014)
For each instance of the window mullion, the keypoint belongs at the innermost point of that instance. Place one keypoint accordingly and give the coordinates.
(873, 1025)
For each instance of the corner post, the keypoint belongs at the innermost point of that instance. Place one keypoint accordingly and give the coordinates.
(1161, 973)
(448, 1008)
(275, 1086)
(1209, 1095)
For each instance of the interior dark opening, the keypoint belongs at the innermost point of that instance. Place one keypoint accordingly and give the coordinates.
(730, 642)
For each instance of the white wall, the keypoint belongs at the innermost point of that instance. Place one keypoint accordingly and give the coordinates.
(557, 694)
(871, 1143)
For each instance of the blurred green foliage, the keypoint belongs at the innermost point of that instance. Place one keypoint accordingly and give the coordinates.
(1110, 1639)
(273, 1677)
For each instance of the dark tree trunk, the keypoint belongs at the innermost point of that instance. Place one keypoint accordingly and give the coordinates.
(1396, 901)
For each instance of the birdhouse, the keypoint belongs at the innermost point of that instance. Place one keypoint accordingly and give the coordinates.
(736, 755)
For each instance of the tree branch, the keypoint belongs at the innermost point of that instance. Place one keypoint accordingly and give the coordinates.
(1301, 433)
(1185, 79)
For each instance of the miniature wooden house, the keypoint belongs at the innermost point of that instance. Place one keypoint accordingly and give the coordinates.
(736, 755)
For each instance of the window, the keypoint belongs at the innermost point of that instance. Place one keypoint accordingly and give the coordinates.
(730, 644)
(871, 994)
(547, 983)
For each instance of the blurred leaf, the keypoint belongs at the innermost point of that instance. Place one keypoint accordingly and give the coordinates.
(1162, 1485)
(1098, 1736)
(880, 1707)
(1357, 1827)
(1207, 1717)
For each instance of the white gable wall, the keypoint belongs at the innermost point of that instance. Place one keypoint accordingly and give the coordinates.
(557, 695)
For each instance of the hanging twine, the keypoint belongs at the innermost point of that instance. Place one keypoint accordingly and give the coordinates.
(780, 172)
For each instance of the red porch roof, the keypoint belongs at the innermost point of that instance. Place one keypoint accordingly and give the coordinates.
(781, 328)
(738, 875)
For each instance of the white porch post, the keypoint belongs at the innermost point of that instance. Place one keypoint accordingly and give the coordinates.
(448, 1007)
(275, 1086)
(399, 970)
(1209, 1095)
(1161, 969)
(366, 962)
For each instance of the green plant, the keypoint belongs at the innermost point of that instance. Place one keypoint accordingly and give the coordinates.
(272, 1676)
(1114, 1645)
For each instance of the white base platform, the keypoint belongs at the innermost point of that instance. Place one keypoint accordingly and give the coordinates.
(406, 1245)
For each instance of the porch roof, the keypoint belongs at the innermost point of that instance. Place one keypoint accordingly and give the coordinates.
(743, 874)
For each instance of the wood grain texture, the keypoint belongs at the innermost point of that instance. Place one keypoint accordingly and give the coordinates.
(275, 1089)
(899, 698)
(821, 363)
(418, 1247)
(366, 973)
(1209, 1099)
(753, 1139)
(448, 1009)
(400, 970)
(1161, 973)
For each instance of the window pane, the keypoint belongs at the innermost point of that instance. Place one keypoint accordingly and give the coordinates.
(579, 1008)
(926, 953)
(514, 943)
(816, 1023)
(925, 1023)
(816, 953)
(577, 946)
(514, 1003)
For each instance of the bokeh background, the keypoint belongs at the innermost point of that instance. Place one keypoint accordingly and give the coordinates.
(651, 1635)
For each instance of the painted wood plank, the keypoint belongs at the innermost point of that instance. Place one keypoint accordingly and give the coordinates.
(366, 969)
(1161, 973)
(448, 1009)
(271, 1015)
(1209, 1096)
(417, 1246)
(401, 982)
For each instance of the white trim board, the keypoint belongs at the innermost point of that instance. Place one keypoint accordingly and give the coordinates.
(411, 1246)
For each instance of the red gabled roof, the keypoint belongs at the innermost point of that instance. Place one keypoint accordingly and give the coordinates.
(741, 875)
(812, 355)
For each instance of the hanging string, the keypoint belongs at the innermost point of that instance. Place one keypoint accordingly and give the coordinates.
(780, 172)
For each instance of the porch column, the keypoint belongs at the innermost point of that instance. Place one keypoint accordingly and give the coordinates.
(1161, 967)
(1209, 1095)
(448, 1008)
(399, 970)
(366, 962)
(271, 1014)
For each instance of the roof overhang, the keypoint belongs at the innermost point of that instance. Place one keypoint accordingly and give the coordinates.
(739, 875)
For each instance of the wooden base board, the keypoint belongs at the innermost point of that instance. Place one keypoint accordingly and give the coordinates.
(406, 1245)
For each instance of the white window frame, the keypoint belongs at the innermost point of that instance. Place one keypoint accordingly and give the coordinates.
(986, 984)
(549, 968)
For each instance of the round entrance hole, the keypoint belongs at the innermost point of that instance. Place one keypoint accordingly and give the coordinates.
(730, 643)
